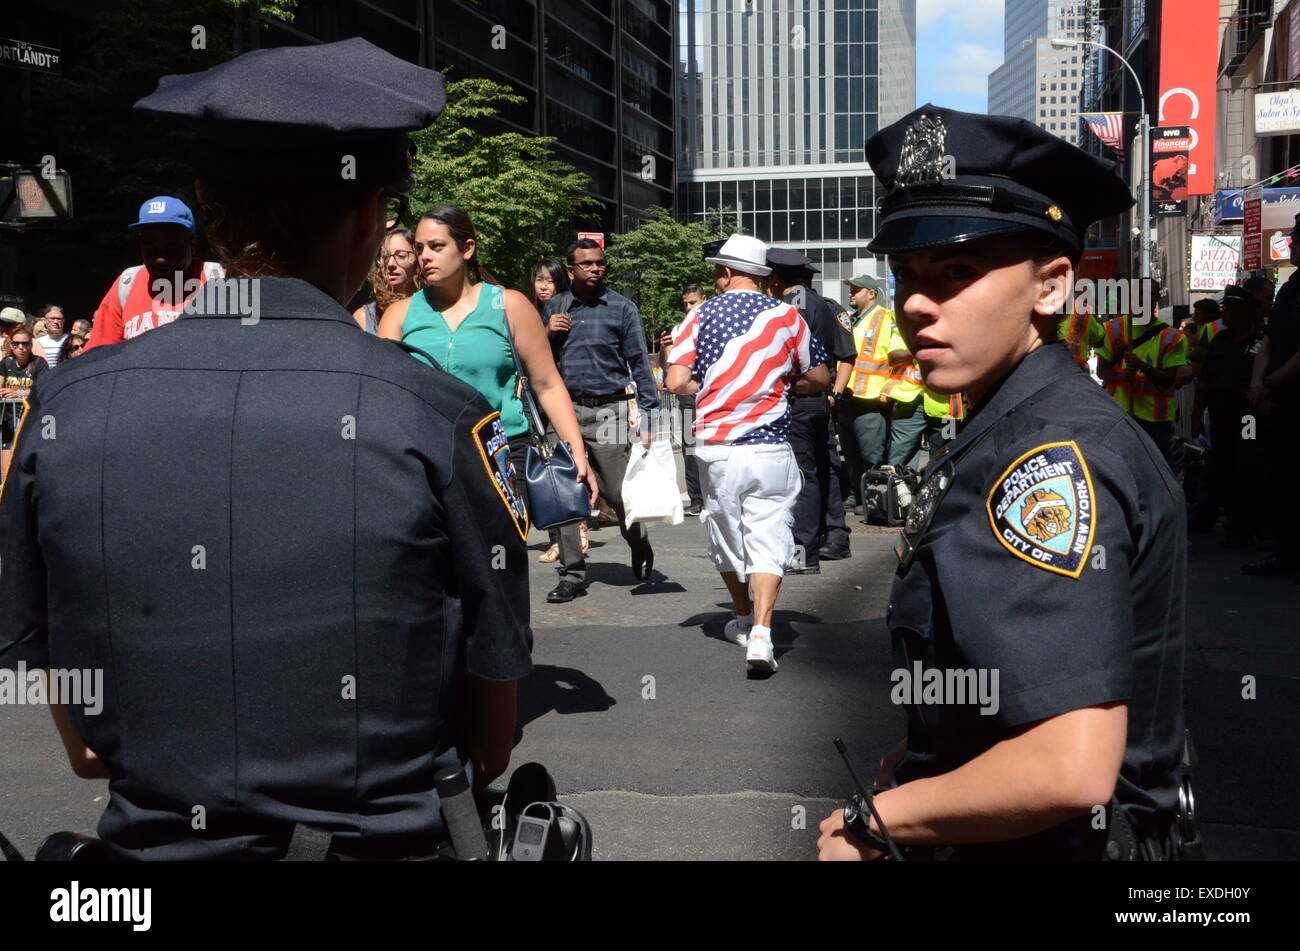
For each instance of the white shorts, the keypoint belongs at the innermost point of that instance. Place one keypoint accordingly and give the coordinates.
(749, 496)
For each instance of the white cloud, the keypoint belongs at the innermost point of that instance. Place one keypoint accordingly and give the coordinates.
(966, 69)
(981, 16)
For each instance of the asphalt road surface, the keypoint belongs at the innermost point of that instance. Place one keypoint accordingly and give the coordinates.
(651, 727)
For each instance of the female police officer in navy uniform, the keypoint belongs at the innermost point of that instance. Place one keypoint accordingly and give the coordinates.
(1037, 613)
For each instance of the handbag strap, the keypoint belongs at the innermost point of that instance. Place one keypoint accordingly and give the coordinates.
(530, 405)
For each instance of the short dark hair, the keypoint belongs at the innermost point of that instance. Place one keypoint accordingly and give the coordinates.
(693, 289)
(1256, 282)
(1207, 303)
(582, 244)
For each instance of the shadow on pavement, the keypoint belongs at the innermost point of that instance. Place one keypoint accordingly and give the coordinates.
(559, 689)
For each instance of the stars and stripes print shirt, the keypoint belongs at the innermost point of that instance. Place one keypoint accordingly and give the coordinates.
(745, 349)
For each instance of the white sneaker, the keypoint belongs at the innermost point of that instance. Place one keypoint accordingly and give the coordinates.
(736, 632)
(759, 656)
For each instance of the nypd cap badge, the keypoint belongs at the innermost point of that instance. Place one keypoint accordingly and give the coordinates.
(1043, 510)
(494, 448)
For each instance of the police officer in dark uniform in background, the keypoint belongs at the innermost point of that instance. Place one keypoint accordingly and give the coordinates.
(1275, 396)
(810, 415)
(294, 551)
(1225, 364)
(1043, 562)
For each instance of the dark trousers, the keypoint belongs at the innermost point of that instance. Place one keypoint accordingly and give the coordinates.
(810, 421)
(1280, 439)
(686, 405)
(1233, 464)
(837, 530)
(1162, 434)
(604, 431)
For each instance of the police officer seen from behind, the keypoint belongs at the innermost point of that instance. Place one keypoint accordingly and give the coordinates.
(289, 546)
(1225, 366)
(1043, 560)
(810, 413)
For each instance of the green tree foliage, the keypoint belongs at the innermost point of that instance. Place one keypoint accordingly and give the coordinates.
(654, 261)
(510, 184)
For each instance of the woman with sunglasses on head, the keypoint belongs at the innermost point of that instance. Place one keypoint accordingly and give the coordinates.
(1043, 560)
(467, 322)
(395, 276)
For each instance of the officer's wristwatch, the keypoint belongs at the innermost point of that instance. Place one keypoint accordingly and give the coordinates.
(857, 820)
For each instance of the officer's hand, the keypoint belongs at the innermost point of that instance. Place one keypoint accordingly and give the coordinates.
(647, 438)
(836, 845)
(8, 394)
(1132, 362)
(560, 323)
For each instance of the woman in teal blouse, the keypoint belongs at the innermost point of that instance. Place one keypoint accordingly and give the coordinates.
(460, 319)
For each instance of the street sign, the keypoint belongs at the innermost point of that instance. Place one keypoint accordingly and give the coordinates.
(597, 236)
(1252, 229)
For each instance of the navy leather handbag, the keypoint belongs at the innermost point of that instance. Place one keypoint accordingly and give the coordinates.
(555, 496)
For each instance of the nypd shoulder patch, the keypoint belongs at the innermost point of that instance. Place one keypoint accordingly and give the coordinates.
(1042, 508)
(494, 448)
(845, 317)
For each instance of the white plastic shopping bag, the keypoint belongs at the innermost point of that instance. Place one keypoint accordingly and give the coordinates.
(650, 490)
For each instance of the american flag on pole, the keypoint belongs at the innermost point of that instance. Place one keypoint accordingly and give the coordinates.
(1109, 127)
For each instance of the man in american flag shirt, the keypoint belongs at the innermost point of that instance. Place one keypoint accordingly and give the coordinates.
(742, 354)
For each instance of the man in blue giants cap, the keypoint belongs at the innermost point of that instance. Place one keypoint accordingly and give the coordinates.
(299, 562)
(151, 294)
(1043, 683)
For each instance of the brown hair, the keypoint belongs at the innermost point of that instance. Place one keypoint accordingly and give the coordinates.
(268, 236)
(462, 229)
(383, 296)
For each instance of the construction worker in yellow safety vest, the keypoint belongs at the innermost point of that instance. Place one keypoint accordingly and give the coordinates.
(879, 388)
(942, 413)
(1139, 363)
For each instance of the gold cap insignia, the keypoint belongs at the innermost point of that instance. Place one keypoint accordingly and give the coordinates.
(1054, 213)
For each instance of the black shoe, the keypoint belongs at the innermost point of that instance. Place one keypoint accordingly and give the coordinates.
(806, 570)
(565, 591)
(643, 560)
(834, 552)
(1269, 567)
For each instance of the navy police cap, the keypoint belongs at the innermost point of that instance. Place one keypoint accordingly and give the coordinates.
(304, 117)
(788, 259)
(957, 176)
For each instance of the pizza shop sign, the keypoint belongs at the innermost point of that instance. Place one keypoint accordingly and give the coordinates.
(23, 55)
(1214, 261)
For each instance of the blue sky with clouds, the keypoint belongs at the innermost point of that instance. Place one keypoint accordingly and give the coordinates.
(958, 43)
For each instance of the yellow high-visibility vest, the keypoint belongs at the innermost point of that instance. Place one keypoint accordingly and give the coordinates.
(943, 407)
(873, 334)
(1142, 398)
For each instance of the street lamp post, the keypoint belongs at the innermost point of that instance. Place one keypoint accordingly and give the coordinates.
(1144, 131)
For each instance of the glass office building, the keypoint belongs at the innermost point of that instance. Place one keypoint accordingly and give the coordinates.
(777, 99)
(596, 74)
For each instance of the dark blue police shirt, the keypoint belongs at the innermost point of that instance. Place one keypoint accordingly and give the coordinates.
(1057, 558)
(822, 317)
(283, 543)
